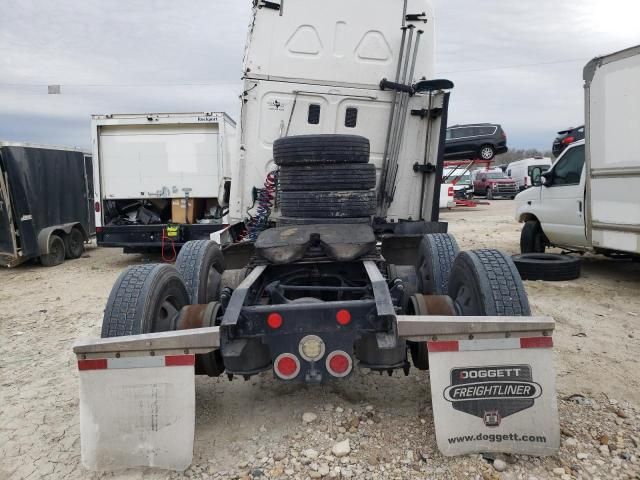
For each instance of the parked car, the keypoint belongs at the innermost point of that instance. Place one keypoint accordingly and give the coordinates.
(480, 140)
(566, 138)
(520, 171)
(494, 183)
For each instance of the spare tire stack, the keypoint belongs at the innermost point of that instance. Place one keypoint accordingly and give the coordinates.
(325, 179)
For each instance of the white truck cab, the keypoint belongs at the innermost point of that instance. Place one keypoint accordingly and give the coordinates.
(556, 203)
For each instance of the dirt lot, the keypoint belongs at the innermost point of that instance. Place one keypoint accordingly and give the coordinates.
(255, 428)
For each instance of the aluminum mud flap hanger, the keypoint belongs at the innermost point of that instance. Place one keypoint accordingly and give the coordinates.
(492, 382)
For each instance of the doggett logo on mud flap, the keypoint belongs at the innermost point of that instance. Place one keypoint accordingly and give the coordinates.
(492, 393)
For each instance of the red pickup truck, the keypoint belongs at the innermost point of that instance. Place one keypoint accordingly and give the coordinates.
(494, 184)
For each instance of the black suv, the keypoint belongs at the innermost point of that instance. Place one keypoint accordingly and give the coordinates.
(480, 140)
(566, 138)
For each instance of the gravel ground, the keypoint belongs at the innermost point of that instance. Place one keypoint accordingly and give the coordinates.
(368, 426)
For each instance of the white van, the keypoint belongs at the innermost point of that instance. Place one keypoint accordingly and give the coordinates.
(520, 171)
(588, 199)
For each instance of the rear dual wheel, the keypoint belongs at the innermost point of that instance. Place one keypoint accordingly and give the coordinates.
(144, 299)
(481, 283)
(149, 298)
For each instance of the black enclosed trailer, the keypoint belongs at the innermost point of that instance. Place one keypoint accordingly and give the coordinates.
(46, 199)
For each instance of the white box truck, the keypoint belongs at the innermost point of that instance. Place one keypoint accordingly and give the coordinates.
(588, 200)
(161, 179)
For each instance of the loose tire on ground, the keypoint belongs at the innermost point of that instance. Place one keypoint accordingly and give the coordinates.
(532, 239)
(321, 149)
(547, 266)
(436, 254)
(74, 244)
(144, 299)
(347, 176)
(317, 204)
(200, 262)
(56, 252)
(289, 221)
(487, 283)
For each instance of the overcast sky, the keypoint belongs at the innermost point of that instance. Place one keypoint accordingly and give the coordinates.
(518, 63)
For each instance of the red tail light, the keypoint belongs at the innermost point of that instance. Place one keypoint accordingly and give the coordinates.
(287, 366)
(343, 317)
(274, 320)
(97, 207)
(526, 181)
(339, 363)
(568, 140)
(450, 192)
(98, 229)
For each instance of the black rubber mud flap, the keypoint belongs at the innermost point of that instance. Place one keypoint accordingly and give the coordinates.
(201, 263)
(347, 176)
(319, 149)
(487, 283)
(317, 204)
(547, 266)
(144, 299)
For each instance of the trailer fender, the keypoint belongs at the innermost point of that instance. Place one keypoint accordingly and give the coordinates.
(45, 234)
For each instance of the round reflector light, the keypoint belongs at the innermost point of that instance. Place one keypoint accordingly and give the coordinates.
(339, 363)
(343, 317)
(287, 366)
(311, 348)
(274, 320)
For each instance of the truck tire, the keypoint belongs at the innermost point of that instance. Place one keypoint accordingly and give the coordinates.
(487, 283)
(56, 252)
(200, 262)
(289, 221)
(74, 244)
(346, 176)
(532, 239)
(547, 266)
(321, 149)
(436, 254)
(318, 204)
(144, 299)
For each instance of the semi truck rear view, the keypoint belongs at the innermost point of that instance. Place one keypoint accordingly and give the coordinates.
(161, 179)
(336, 256)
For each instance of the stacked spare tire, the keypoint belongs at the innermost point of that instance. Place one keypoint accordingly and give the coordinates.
(325, 179)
